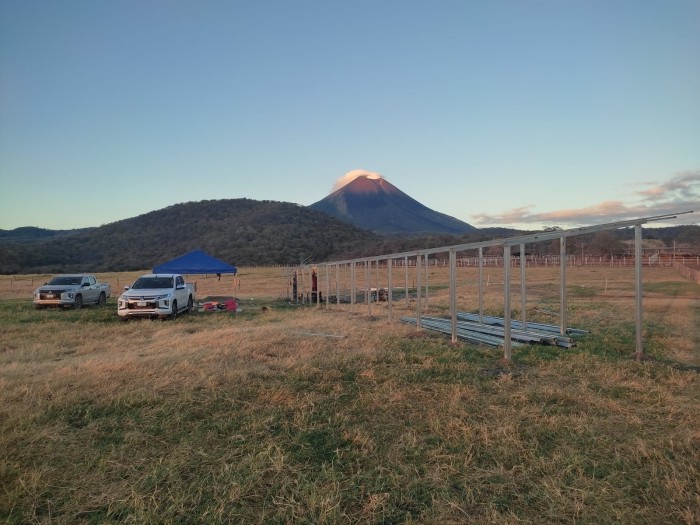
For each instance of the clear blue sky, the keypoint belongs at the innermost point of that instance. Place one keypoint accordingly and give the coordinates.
(501, 113)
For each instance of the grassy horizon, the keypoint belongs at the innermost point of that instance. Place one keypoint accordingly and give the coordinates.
(290, 414)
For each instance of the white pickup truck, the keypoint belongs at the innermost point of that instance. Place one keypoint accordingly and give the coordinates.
(161, 295)
(72, 291)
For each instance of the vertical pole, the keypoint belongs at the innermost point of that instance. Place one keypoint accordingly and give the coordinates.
(337, 284)
(562, 283)
(378, 280)
(328, 287)
(405, 269)
(453, 293)
(507, 351)
(419, 289)
(318, 286)
(352, 285)
(368, 285)
(481, 284)
(390, 291)
(523, 302)
(639, 318)
(427, 273)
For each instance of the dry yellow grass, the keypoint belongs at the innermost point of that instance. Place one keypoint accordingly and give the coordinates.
(308, 415)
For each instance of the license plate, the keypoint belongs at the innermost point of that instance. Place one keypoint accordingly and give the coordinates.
(49, 296)
(141, 304)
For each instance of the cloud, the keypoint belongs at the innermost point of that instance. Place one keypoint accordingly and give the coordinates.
(683, 186)
(352, 175)
(680, 193)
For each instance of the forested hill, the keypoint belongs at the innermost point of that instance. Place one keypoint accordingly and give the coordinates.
(238, 231)
(247, 232)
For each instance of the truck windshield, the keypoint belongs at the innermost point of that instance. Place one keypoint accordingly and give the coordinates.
(149, 283)
(66, 279)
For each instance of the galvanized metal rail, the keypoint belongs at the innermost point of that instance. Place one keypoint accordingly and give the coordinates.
(417, 259)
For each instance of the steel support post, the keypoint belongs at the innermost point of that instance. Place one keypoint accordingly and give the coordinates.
(562, 283)
(419, 290)
(639, 317)
(453, 293)
(405, 270)
(368, 286)
(523, 296)
(328, 287)
(507, 351)
(427, 273)
(481, 285)
(353, 295)
(337, 284)
(390, 291)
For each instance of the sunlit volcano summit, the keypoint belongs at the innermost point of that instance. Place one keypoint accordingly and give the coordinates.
(370, 202)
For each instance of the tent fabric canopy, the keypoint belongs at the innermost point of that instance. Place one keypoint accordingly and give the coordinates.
(196, 261)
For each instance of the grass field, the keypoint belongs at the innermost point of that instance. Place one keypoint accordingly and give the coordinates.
(297, 414)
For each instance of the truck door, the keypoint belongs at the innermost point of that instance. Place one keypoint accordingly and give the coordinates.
(182, 293)
(90, 291)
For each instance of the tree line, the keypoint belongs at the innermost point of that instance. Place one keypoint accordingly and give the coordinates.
(250, 232)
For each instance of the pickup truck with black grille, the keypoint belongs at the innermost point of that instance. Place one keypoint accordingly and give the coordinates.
(156, 295)
(72, 291)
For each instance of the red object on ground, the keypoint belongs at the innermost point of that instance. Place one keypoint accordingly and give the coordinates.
(231, 305)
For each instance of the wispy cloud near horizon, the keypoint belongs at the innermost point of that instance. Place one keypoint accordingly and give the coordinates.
(680, 193)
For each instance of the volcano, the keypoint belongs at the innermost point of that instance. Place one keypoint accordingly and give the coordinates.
(373, 203)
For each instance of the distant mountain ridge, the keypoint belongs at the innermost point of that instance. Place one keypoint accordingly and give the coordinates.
(377, 205)
(238, 231)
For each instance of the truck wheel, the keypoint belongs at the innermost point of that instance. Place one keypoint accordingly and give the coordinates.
(102, 299)
(190, 304)
(173, 315)
(78, 302)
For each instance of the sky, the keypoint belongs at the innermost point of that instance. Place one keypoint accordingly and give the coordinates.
(517, 113)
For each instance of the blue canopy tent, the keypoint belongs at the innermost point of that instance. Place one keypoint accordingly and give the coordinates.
(195, 262)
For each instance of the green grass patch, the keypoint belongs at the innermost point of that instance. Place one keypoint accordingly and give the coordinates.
(674, 288)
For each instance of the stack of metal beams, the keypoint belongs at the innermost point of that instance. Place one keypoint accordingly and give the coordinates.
(491, 331)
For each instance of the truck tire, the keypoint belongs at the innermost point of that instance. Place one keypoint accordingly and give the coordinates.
(173, 315)
(190, 304)
(102, 299)
(78, 304)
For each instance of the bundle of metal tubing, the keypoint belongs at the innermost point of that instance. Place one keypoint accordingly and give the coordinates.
(492, 334)
(500, 321)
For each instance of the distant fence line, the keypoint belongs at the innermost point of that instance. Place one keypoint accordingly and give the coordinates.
(691, 274)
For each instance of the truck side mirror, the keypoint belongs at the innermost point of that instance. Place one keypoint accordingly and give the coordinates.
(126, 288)
(85, 285)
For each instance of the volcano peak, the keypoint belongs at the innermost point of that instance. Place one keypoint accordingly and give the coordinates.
(373, 203)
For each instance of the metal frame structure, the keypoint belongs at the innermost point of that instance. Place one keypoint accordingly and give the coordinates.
(421, 258)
